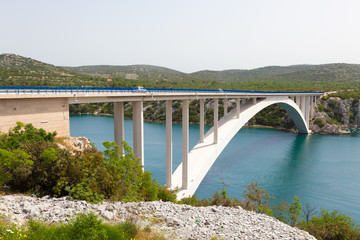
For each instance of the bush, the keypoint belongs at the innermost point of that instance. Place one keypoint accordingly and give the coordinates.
(22, 134)
(31, 162)
(257, 199)
(82, 227)
(332, 225)
(320, 122)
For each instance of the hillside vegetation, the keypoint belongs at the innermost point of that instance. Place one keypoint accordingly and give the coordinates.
(21, 71)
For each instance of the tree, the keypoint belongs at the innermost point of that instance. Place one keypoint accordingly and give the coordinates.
(257, 199)
(294, 211)
(308, 212)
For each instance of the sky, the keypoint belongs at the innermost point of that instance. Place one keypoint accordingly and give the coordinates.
(185, 35)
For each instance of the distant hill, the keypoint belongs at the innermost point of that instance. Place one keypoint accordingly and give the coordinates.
(131, 72)
(327, 72)
(18, 70)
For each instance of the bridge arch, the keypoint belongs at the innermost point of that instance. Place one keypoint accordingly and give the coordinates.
(203, 155)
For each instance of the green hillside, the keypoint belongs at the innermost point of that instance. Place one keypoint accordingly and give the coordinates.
(325, 77)
(18, 70)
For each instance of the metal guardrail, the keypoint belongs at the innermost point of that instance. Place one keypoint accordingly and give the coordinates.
(99, 90)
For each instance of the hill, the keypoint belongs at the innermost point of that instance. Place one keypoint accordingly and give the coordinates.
(18, 70)
(130, 72)
(22, 71)
(289, 78)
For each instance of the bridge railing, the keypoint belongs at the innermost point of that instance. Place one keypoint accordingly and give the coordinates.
(99, 90)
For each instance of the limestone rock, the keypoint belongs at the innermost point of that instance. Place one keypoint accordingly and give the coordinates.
(173, 220)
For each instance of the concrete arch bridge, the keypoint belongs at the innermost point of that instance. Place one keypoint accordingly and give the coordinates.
(48, 108)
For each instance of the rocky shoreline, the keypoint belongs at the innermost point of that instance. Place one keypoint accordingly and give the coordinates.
(174, 221)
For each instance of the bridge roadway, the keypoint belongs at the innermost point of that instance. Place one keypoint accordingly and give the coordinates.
(48, 107)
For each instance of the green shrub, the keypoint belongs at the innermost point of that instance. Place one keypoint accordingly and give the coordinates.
(31, 162)
(332, 225)
(320, 122)
(295, 211)
(22, 134)
(257, 199)
(82, 227)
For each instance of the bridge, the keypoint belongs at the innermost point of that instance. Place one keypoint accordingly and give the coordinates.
(48, 108)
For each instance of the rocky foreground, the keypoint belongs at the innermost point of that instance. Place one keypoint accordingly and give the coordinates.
(173, 220)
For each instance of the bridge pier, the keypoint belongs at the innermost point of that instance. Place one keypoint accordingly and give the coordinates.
(226, 101)
(311, 106)
(307, 109)
(202, 103)
(168, 143)
(302, 105)
(185, 143)
(216, 120)
(138, 130)
(119, 133)
(298, 102)
(238, 107)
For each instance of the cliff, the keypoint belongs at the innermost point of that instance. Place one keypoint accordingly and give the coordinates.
(334, 115)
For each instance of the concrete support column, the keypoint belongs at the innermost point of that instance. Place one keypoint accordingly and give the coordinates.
(185, 143)
(307, 109)
(237, 107)
(216, 120)
(254, 100)
(168, 143)
(302, 105)
(138, 130)
(298, 102)
(311, 106)
(225, 107)
(202, 103)
(119, 133)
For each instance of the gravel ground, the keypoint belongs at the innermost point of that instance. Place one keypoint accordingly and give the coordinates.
(173, 220)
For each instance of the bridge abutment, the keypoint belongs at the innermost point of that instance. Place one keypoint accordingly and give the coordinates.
(51, 114)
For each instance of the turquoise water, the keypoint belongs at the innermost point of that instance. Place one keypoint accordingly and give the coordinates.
(322, 171)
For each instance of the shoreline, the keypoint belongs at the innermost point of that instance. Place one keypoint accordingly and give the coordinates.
(341, 132)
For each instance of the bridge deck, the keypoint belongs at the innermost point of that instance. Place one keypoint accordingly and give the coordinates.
(94, 95)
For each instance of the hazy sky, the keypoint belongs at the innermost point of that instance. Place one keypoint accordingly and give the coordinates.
(186, 35)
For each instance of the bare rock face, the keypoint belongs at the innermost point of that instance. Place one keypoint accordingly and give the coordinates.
(78, 144)
(336, 116)
(357, 109)
(330, 129)
(344, 110)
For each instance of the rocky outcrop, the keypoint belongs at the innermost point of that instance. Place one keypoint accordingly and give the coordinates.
(173, 220)
(334, 116)
(75, 144)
